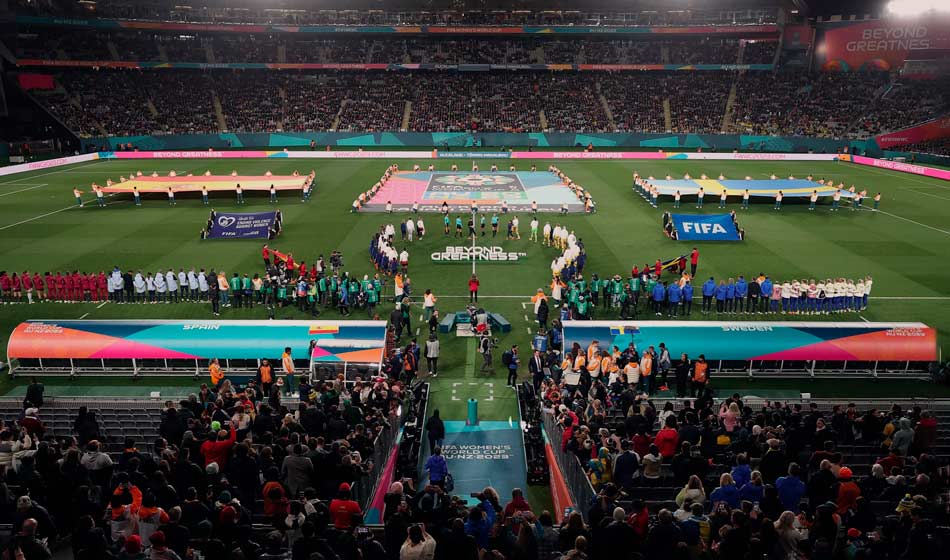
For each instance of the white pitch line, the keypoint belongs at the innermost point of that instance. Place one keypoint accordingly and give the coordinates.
(943, 231)
(924, 298)
(24, 190)
(863, 319)
(84, 315)
(915, 191)
(100, 306)
(34, 218)
(71, 169)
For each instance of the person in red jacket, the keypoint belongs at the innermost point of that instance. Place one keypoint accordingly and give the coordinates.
(343, 508)
(848, 491)
(62, 287)
(217, 451)
(102, 287)
(27, 281)
(667, 440)
(517, 504)
(658, 268)
(40, 286)
(693, 262)
(473, 284)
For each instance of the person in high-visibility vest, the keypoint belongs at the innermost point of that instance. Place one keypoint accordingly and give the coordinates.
(288, 364)
(217, 374)
(700, 376)
(646, 371)
(265, 376)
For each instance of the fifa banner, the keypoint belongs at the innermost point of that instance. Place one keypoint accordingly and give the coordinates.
(335, 341)
(881, 44)
(705, 227)
(254, 225)
(748, 341)
(930, 130)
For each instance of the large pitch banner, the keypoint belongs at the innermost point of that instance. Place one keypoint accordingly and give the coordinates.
(254, 225)
(705, 227)
(746, 341)
(882, 44)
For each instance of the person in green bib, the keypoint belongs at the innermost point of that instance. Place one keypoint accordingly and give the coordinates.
(594, 290)
(322, 290)
(616, 288)
(312, 298)
(235, 286)
(248, 289)
(582, 308)
(372, 298)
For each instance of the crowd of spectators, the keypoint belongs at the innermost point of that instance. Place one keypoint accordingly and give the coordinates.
(939, 147)
(712, 478)
(571, 103)
(445, 12)
(802, 104)
(698, 106)
(176, 102)
(49, 43)
(906, 104)
(759, 52)
(238, 471)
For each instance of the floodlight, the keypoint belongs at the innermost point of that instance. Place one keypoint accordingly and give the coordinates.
(916, 7)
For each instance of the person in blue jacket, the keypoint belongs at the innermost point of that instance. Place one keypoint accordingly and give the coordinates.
(731, 296)
(659, 298)
(437, 468)
(766, 294)
(727, 492)
(742, 291)
(721, 292)
(675, 293)
(709, 290)
(791, 489)
(687, 298)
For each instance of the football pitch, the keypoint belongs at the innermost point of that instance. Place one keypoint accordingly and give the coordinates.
(905, 247)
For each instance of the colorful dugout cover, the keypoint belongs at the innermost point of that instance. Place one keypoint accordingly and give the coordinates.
(747, 341)
(337, 341)
(252, 225)
(705, 227)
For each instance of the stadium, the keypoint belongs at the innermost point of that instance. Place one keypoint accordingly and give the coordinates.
(605, 279)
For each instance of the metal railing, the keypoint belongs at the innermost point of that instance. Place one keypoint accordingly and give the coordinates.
(582, 491)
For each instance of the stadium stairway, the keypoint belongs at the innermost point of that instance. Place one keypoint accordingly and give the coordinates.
(406, 115)
(730, 107)
(218, 112)
(607, 111)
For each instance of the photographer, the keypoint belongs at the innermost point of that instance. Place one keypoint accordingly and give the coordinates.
(485, 345)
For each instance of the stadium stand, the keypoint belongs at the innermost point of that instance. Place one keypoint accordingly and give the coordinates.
(302, 101)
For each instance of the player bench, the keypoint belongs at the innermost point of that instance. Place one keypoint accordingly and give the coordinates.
(447, 324)
(499, 322)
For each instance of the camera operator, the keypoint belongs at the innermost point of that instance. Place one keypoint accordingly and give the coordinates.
(485, 345)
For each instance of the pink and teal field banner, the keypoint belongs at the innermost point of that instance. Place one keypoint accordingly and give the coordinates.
(943, 174)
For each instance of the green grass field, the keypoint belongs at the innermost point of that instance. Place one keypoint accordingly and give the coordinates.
(905, 247)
